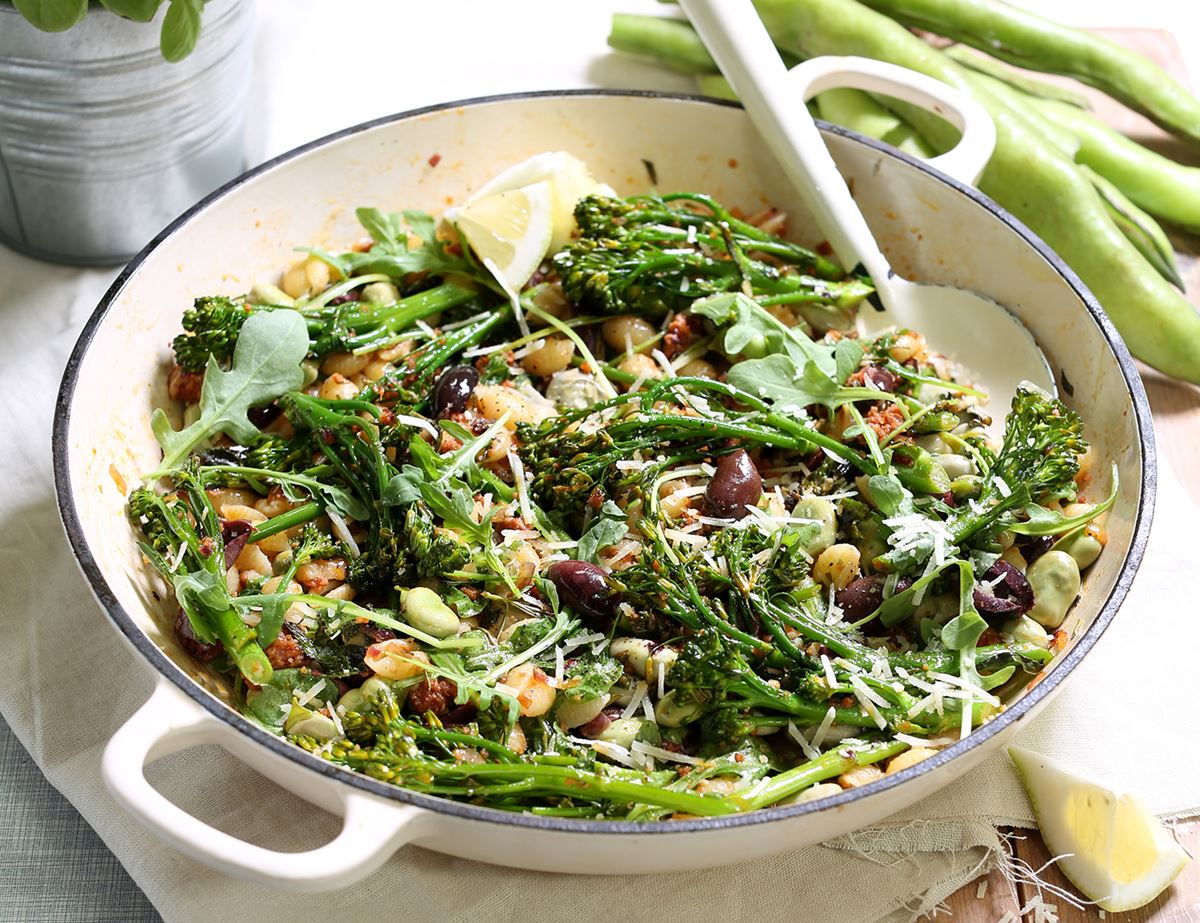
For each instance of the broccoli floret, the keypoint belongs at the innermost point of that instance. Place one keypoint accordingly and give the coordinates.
(1037, 461)
(433, 550)
(211, 327)
(644, 255)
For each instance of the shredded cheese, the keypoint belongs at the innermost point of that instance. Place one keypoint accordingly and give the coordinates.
(312, 693)
(810, 751)
(658, 753)
(518, 470)
(635, 701)
(341, 530)
(818, 736)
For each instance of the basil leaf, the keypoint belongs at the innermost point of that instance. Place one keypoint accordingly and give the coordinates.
(180, 29)
(52, 15)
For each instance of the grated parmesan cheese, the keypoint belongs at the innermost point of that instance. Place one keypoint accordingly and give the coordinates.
(818, 736)
(640, 746)
(518, 470)
(810, 751)
(312, 693)
(341, 530)
(635, 701)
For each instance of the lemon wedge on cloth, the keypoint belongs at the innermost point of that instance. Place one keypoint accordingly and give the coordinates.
(510, 231)
(1113, 849)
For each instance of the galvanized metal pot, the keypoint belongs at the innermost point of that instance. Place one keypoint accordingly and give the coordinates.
(102, 142)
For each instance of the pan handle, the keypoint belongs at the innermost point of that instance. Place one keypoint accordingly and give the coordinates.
(965, 161)
(372, 828)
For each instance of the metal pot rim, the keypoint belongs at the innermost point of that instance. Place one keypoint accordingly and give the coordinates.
(163, 665)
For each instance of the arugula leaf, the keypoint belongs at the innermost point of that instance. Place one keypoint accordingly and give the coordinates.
(392, 254)
(199, 592)
(887, 493)
(607, 528)
(780, 380)
(847, 354)
(751, 330)
(588, 678)
(264, 704)
(339, 499)
(1045, 521)
(266, 364)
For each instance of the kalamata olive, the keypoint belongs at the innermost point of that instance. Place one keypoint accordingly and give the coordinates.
(234, 532)
(205, 653)
(584, 588)
(863, 596)
(596, 726)
(735, 485)
(876, 376)
(1011, 597)
(1035, 547)
(453, 390)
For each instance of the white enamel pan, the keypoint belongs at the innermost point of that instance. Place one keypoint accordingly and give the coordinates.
(932, 226)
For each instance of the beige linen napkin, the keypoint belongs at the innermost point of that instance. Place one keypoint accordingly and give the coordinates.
(68, 683)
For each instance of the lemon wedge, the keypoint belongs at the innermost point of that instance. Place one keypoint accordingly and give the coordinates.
(509, 231)
(1112, 848)
(569, 178)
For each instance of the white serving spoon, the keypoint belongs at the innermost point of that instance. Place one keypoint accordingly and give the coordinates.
(992, 346)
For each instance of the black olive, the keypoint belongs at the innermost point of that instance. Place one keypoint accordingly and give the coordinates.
(453, 390)
(1011, 597)
(735, 486)
(235, 533)
(865, 595)
(584, 588)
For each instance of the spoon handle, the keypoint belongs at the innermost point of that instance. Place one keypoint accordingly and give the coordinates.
(743, 50)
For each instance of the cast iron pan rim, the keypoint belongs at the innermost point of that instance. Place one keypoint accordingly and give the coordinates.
(221, 712)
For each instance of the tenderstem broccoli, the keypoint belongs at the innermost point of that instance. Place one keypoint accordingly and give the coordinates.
(644, 255)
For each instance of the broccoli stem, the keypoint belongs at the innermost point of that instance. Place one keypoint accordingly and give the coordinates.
(297, 516)
(537, 778)
(241, 644)
(826, 766)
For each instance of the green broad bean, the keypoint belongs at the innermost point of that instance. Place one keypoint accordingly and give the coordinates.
(624, 731)
(967, 487)
(955, 466)
(1054, 578)
(825, 514)
(380, 293)
(1025, 39)
(1080, 545)
(425, 611)
(353, 700)
(1027, 175)
(301, 722)
(266, 293)
(312, 371)
(670, 713)
(1027, 630)
(934, 444)
(572, 714)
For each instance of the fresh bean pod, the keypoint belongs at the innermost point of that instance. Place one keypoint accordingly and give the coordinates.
(1029, 41)
(1026, 174)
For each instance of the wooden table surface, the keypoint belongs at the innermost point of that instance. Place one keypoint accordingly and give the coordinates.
(1176, 408)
